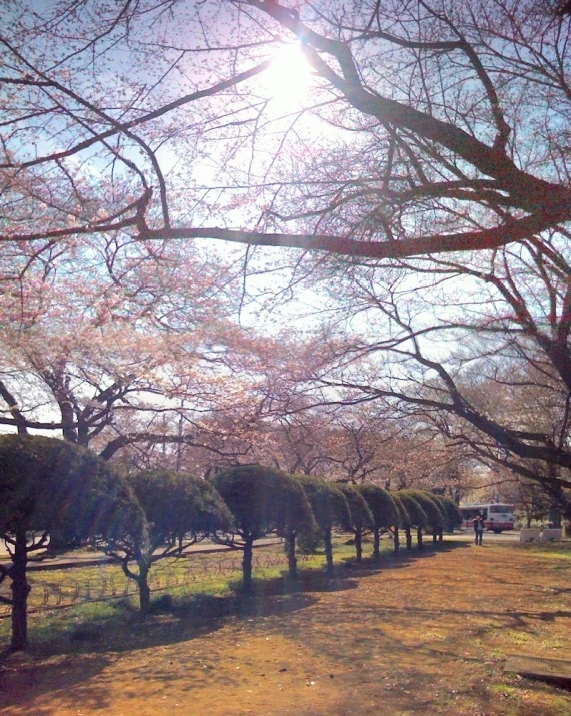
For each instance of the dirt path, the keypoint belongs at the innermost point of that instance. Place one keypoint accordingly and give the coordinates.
(421, 635)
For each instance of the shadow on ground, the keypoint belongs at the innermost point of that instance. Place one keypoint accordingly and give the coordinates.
(77, 667)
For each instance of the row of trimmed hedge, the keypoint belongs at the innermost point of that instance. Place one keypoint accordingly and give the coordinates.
(264, 500)
(52, 487)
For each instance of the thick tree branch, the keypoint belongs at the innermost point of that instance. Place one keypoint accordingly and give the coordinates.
(465, 241)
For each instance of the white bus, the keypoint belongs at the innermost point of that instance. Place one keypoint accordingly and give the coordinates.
(497, 515)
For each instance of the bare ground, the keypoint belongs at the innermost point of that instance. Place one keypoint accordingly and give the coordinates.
(425, 633)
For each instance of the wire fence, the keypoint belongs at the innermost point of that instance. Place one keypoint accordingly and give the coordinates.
(104, 583)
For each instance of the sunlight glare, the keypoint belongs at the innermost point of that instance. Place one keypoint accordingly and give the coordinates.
(288, 79)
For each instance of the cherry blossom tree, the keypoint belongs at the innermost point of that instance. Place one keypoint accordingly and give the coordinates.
(424, 177)
(474, 351)
(133, 348)
(460, 139)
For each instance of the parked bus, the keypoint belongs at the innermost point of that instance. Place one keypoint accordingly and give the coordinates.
(497, 515)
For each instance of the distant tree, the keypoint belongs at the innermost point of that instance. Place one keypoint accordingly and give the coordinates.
(361, 516)
(263, 500)
(403, 519)
(433, 511)
(180, 510)
(415, 515)
(531, 501)
(383, 510)
(45, 485)
(451, 513)
(85, 358)
(330, 508)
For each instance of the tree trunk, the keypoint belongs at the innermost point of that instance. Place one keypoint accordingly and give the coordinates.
(20, 590)
(408, 537)
(144, 589)
(328, 550)
(419, 537)
(291, 558)
(359, 544)
(376, 544)
(60, 540)
(396, 543)
(555, 516)
(247, 564)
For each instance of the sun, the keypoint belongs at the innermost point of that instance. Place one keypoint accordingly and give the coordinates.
(288, 79)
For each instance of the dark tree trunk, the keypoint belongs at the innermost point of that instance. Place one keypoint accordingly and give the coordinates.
(376, 544)
(408, 537)
(247, 564)
(18, 416)
(435, 535)
(555, 516)
(419, 537)
(396, 543)
(67, 419)
(20, 590)
(359, 544)
(60, 540)
(143, 586)
(291, 558)
(328, 550)
(440, 534)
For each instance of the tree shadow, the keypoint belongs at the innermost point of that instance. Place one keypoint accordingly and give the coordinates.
(396, 560)
(312, 580)
(70, 667)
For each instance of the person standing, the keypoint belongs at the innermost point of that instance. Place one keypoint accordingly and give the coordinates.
(478, 523)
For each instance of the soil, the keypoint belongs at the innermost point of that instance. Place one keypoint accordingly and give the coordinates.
(425, 632)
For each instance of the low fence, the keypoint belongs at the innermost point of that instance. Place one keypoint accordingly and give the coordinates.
(107, 583)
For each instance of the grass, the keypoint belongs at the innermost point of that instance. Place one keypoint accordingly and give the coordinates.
(417, 633)
(188, 581)
(551, 551)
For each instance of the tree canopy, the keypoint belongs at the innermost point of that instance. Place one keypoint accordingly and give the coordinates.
(262, 500)
(468, 111)
(361, 516)
(328, 502)
(380, 503)
(179, 510)
(452, 515)
(426, 206)
(413, 514)
(430, 505)
(46, 485)
(179, 506)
